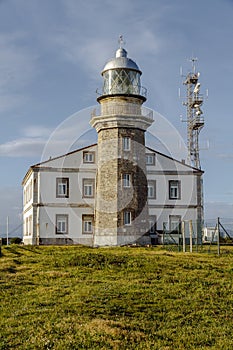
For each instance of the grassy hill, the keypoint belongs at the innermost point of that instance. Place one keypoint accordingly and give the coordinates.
(114, 298)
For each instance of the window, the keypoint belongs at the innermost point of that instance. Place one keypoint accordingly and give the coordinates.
(62, 187)
(174, 189)
(121, 81)
(30, 225)
(152, 189)
(26, 227)
(174, 223)
(126, 143)
(28, 193)
(88, 157)
(150, 159)
(88, 187)
(152, 223)
(127, 218)
(87, 221)
(30, 190)
(126, 180)
(61, 224)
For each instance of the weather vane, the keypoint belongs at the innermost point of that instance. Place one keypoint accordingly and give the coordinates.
(121, 41)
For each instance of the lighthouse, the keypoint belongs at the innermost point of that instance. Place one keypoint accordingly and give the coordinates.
(121, 208)
(116, 191)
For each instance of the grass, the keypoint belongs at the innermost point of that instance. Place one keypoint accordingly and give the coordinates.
(114, 298)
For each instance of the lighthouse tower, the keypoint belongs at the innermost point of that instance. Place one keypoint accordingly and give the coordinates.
(121, 209)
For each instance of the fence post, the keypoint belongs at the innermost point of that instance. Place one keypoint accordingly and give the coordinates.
(164, 228)
(0, 246)
(7, 230)
(183, 235)
(218, 235)
(191, 235)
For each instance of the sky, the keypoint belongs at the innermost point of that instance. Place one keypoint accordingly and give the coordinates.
(51, 57)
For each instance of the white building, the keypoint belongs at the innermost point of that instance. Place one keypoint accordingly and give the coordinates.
(117, 191)
(210, 234)
(59, 197)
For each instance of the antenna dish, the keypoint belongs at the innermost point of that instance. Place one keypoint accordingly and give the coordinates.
(197, 88)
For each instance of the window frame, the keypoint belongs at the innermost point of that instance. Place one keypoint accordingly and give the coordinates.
(126, 181)
(87, 218)
(65, 181)
(88, 182)
(173, 219)
(171, 186)
(152, 184)
(127, 222)
(88, 153)
(153, 159)
(66, 221)
(126, 143)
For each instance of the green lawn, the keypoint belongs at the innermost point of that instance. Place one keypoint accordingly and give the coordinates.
(114, 298)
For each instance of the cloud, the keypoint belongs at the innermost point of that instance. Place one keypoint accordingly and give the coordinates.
(22, 147)
(90, 51)
(17, 69)
(144, 37)
(40, 141)
(30, 144)
(90, 54)
(37, 131)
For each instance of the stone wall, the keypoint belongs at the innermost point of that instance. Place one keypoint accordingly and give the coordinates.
(112, 198)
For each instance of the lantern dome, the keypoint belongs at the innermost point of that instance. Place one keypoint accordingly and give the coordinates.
(121, 61)
(122, 77)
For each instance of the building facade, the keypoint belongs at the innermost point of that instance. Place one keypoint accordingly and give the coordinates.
(117, 191)
(60, 196)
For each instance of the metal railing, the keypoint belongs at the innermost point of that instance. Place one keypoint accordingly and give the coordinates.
(123, 109)
(123, 89)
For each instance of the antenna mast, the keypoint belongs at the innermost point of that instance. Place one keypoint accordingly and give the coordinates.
(195, 120)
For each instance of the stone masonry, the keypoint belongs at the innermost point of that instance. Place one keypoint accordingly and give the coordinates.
(112, 198)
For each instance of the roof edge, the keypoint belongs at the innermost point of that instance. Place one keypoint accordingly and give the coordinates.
(63, 155)
(176, 160)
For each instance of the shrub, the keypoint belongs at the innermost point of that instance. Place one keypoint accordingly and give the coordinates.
(16, 240)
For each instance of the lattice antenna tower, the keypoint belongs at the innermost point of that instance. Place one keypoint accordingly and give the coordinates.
(194, 114)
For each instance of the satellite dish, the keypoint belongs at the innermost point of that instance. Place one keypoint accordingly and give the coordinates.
(197, 88)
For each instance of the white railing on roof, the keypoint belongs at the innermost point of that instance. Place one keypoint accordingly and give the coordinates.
(123, 109)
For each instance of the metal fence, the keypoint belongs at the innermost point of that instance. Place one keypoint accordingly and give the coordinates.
(212, 237)
(187, 236)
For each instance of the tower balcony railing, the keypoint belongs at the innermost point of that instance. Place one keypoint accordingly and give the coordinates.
(123, 89)
(198, 122)
(197, 101)
(124, 110)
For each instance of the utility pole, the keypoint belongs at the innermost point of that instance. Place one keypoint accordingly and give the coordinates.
(7, 230)
(218, 235)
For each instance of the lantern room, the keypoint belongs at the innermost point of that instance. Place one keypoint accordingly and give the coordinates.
(122, 77)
